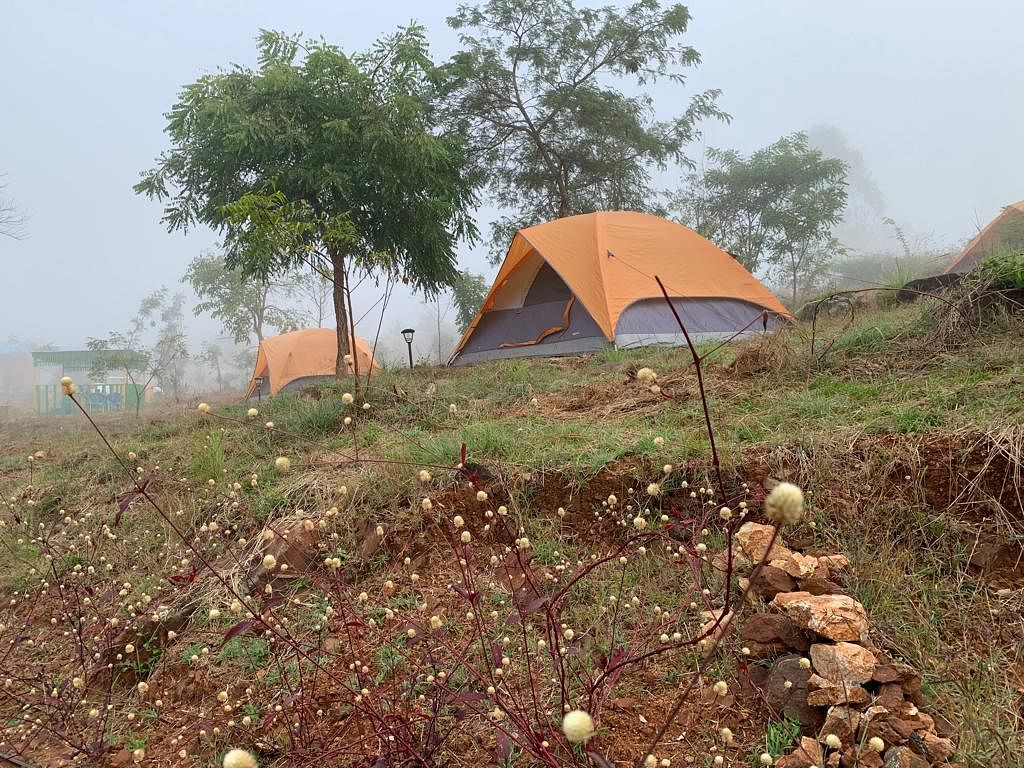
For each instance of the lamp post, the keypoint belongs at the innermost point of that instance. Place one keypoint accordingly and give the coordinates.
(407, 335)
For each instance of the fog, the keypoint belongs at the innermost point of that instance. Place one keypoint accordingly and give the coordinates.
(922, 97)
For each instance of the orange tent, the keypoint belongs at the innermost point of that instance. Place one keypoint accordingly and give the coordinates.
(584, 282)
(290, 360)
(1006, 229)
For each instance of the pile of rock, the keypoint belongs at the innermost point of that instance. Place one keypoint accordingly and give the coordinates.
(858, 707)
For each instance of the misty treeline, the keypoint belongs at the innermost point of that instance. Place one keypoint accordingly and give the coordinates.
(322, 169)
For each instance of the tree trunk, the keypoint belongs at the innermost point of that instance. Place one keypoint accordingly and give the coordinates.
(340, 311)
(352, 335)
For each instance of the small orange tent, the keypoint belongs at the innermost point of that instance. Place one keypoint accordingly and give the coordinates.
(290, 360)
(585, 282)
(1005, 230)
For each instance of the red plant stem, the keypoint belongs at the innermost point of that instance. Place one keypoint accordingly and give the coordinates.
(700, 383)
(725, 621)
(224, 582)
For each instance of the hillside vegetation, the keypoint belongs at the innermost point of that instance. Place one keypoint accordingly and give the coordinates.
(434, 577)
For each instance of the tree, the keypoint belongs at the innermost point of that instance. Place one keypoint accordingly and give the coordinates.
(211, 354)
(244, 305)
(314, 288)
(142, 363)
(324, 158)
(468, 292)
(534, 91)
(774, 209)
(12, 217)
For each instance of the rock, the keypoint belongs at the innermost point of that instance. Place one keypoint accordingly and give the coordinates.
(827, 695)
(296, 548)
(938, 749)
(841, 721)
(792, 701)
(835, 565)
(796, 565)
(819, 586)
(872, 713)
(903, 757)
(890, 695)
(883, 730)
(837, 617)
(714, 626)
(902, 727)
(893, 672)
(843, 663)
(753, 539)
(769, 581)
(860, 757)
(806, 755)
(771, 634)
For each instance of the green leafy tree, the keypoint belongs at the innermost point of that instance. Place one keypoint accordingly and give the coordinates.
(468, 292)
(323, 158)
(142, 362)
(245, 306)
(535, 91)
(773, 210)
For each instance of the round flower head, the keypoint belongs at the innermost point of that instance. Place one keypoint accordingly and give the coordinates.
(239, 758)
(653, 489)
(453, 409)
(577, 726)
(721, 687)
(347, 398)
(283, 464)
(204, 408)
(252, 413)
(269, 561)
(348, 359)
(875, 744)
(481, 495)
(833, 742)
(646, 376)
(785, 504)
(67, 386)
(766, 759)
(424, 476)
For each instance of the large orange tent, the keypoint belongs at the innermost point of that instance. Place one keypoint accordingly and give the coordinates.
(289, 361)
(586, 282)
(1004, 231)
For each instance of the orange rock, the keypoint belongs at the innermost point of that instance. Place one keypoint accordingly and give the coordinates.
(753, 538)
(837, 617)
(843, 663)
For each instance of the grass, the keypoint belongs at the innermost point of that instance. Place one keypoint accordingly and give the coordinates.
(839, 423)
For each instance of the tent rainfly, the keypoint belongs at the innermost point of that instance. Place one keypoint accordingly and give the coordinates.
(1004, 231)
(586, 282)
(292, 360)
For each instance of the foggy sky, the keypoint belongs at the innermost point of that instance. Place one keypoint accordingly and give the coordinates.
(928, 93)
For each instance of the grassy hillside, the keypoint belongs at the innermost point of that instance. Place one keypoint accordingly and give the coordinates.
(566, 560)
